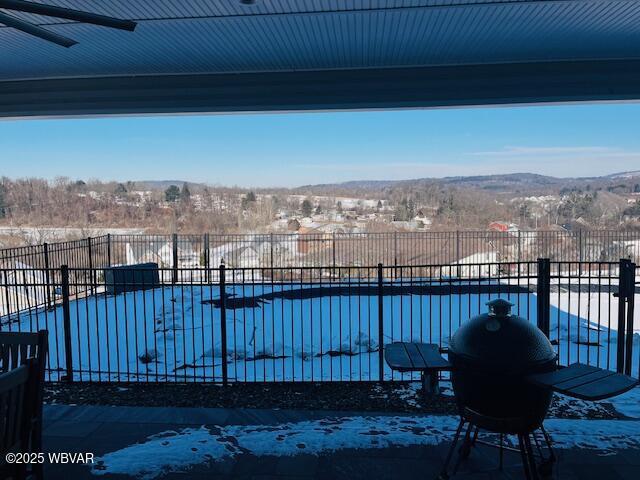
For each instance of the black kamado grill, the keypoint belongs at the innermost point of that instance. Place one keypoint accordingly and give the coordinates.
(492, 355)
(504, 372)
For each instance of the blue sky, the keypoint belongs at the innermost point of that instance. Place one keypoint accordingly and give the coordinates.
(301, 148)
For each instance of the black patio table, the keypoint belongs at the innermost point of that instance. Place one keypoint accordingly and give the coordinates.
(584, 382)
(425, 358)
(578, 380)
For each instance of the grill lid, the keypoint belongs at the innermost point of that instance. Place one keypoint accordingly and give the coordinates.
(498, 339)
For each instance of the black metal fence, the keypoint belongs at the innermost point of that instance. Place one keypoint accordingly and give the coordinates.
(91, 252)
(329, 249)
(326, 323)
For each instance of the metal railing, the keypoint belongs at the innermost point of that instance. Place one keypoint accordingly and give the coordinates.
(88, 252)
(329, 249)
(326, 323)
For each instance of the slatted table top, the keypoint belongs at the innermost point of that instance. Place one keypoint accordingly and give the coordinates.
(412, 357)
(585, 382)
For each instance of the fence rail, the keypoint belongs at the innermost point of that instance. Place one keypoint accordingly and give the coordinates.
(329, 249)
(326, 323)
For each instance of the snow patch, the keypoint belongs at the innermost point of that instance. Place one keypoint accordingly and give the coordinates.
(628, 404)
(178, 451)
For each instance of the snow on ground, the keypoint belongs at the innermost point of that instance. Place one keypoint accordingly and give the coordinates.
(628, 404)
(174, 451)
(297, 331)
(411, 394)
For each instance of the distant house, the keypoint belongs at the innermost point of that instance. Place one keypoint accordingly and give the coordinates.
(480, 264)
(499, 226)
(311, 239)
(162, 254)
(422, 220)
(254, 254)
(293, 225)
(505, 227)
(24, 287)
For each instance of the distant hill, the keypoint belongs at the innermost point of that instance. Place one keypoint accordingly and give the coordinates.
(164, 184)
(627, 175)
(511, 183)
(503, 183)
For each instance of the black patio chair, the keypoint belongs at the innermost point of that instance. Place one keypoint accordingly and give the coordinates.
(16, 348)
(17, 389)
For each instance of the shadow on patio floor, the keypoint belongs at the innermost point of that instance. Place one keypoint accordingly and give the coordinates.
(198, 443)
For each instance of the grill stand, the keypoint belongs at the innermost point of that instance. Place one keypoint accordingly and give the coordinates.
(532, 470)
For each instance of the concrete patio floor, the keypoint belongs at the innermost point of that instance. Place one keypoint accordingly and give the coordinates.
(101, 430)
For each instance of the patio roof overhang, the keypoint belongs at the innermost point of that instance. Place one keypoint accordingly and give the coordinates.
(223, 56)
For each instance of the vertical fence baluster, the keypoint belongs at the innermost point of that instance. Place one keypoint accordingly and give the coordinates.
(47, 274)
(544, 294)
(622, 301)
(66, 316)
(630, 303)
(91, 272)
(380, 325)
(174, 271)
(271, 250)
(207, 258)
(223, 324)
(395, 254)
(108, 249)
(333, 248)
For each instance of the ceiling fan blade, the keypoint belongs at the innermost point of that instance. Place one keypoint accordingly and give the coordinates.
(31, 29)
(68, 14)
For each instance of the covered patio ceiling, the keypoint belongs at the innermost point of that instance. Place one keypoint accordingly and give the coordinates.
(281, 55)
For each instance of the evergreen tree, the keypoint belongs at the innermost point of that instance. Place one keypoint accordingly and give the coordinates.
(172, 194)
(185, 194)
(3, 206)
(633, 210)
(248, 200)
(307, 208)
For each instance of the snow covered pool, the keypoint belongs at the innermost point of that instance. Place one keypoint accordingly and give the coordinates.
(284, 332)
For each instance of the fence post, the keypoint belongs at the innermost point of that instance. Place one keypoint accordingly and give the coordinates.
(174, 244)
(380, 325)
(66, 317)
(206, 253)
(544, 294)
(630, 290)
(622, 301)
(47, 274)
(223, 324)
(108, 249)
